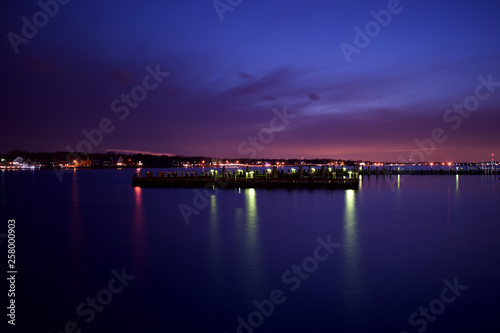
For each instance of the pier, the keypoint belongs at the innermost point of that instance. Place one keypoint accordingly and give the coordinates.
(303, 176)
(269, 179)
(481, 169)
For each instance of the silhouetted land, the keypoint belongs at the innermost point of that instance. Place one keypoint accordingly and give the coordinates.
(110, 159)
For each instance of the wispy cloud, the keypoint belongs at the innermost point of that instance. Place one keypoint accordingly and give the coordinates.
(126, 151)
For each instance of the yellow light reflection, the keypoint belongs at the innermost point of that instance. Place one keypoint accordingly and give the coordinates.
(214, 224)
(350, 220)
(252, 248)
(215, 242)
(456, 183)
(352, 271)
(251, 217)
(213, 209)
(251, 198)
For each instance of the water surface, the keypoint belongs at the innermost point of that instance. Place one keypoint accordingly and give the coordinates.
(398, 239)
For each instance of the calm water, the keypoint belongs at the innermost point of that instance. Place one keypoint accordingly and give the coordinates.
(395, 245)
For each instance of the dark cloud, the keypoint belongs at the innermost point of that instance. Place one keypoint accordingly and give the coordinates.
(313, 97)
(121, 75)
(245, 76)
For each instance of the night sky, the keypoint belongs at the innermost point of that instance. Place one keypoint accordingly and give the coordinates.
(372, 98)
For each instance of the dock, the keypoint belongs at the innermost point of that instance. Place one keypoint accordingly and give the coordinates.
(307, 177)
(248, 179)
(439, 170)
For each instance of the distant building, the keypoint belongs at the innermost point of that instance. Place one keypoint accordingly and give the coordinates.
(130, 163)
(109, 163)
(86, 163)
(17, 161)
(32, 165)
(119, 161)
(96, 162)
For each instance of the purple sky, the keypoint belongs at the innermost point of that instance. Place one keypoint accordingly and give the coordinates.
(226, 78)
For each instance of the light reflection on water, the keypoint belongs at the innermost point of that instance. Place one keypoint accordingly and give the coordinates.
(352, 274)
(138, 231)
(246, 236)
(252, 247)
(77, 231)
(350, 235)
(395, 247)
(216, 259)
(252, 218)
